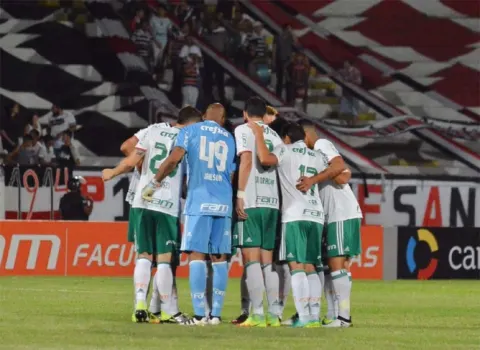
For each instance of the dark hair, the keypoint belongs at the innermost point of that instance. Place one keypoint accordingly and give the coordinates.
(34, 133)
(47, 138)
(189, 114)
(228, 125)
(294, 131)
(68, 133)
(27, 137)
(278, 124)
(305, 123)
(255, 107)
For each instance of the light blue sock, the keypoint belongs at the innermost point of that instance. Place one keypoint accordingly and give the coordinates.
(220, 278)
(198, 283)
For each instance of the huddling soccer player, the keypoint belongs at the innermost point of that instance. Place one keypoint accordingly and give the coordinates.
(342, 225)
(257, 208)
(156, 221)
(210, 161)
(302, 218)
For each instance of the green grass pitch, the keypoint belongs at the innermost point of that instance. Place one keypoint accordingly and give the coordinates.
(94, 313)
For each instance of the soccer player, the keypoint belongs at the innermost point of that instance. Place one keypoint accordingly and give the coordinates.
(257, 207)
(302, 218)
(343, 221)
(156, 226)
(210, 159)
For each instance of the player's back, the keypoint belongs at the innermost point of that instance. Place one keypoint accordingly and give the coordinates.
(157, 144)
(210, 164)
(296, 160)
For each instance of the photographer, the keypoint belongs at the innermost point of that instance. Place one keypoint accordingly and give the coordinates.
(74, 206)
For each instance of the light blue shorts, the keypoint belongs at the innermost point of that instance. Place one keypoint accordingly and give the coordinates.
(207, 234)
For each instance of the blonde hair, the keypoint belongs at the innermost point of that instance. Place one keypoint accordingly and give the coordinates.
(271, 110)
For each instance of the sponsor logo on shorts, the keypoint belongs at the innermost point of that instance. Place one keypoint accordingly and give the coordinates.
(170, 242)
(332, 247)
(214, 208)
(312, 212)
(162, 203)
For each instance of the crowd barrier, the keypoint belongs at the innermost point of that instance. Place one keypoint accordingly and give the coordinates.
(393, 200)
(63, 248)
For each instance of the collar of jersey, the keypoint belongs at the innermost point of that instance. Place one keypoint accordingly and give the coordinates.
(211, 121)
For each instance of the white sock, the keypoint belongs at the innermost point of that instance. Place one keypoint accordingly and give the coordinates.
(272, 288)
(332, 306)
(209, 290)
(255, 286)
(141, 279)
(349, 274)
(174, 301)
(165, 286)
(342, 286)
(284, 279)
(154, 306)
(301, 294)
(321, 275)
(315, 295)
(244, 297)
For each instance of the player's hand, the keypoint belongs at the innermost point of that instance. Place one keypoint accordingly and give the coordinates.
(304, 183)
(148, 191)
(256, 128)
(107, 174)
(241, 209)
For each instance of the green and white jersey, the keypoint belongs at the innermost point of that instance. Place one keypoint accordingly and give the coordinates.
(294, 161)
(262, 189)
(136, 174)
(338, 200)
(157, 144)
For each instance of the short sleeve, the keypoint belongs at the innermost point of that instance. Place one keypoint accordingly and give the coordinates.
(182, 138)
(71, 119)
(327, 148)
(142, 137)
(42, 152)
(232, 166)
(244, 139)
(280, 152)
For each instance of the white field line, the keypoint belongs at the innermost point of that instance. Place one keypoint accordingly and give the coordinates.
(62, 290)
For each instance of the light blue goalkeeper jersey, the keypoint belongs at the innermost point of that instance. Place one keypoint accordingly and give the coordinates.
(210, 159)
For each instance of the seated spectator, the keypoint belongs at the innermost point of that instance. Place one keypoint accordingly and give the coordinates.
(143, 40)
(349, 105)
(190, 89)
(11, 127)
(298, 72)
(256, 50)
(137, 19)
(257, 38)
(59, 122)
(189, 48)
(30, 152)
(161, 27)
(48, 150)
(185, 13)
(67, 154)
(33, 124)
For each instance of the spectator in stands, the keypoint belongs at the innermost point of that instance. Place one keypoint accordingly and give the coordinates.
(161, 27)
(59, 122)
(184, 13)
(190, 89)
(137, 19)
(349, 105)
(217, 37)
(143, 40)
(258, 65)
(67, 154)
(176, 44)
(298, 72)
(190, 48)
(11, 127)
(48, 150)
(30, 152)
(282, 54)
(33, 124)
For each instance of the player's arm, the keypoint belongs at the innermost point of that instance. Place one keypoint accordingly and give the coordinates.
(266, 158)
(128, 146)
(343, 177)
(336, 166)
(125, 165)
(169, 164)
(244, 143)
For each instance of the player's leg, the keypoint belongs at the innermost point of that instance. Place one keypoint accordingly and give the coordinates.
(343, 240)
(293, 250)
(195, 244)
(248, 238)
(144, 233)
(220, 245)
(209, 289)
(313, 232)
(166, 238)
(330, 297)
(269, 219)
(244, 297)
